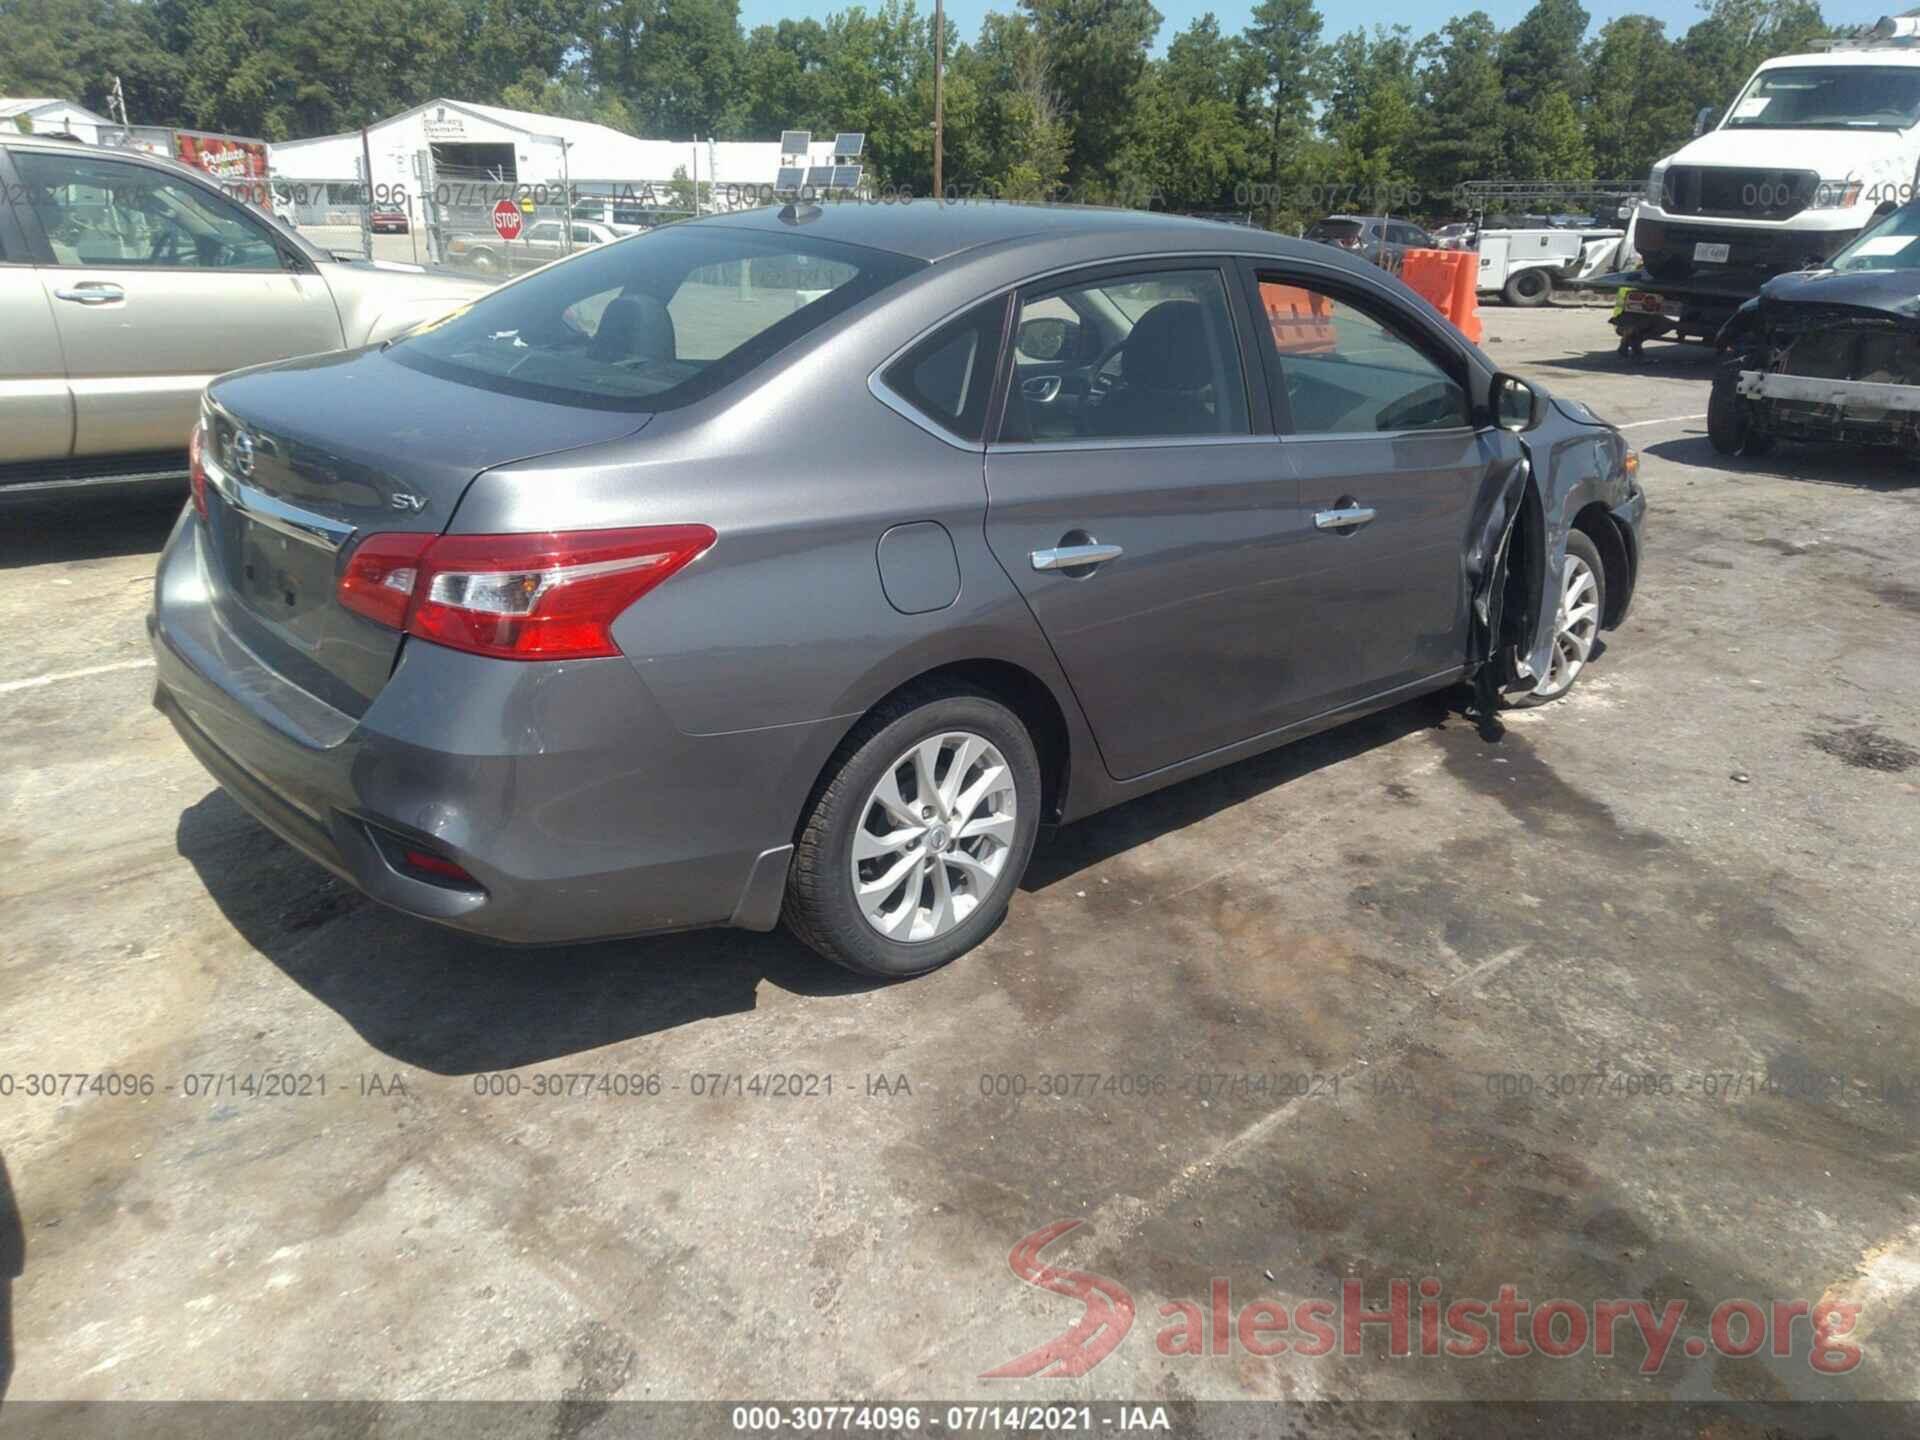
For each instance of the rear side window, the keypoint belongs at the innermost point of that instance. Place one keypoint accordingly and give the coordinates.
(653, 322)
(948, 377)
(101, 213)
(1151, 355)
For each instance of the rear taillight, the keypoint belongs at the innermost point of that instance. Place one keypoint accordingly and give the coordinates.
(197, 470)
(546, 596)
(437, 866)
(380, 577)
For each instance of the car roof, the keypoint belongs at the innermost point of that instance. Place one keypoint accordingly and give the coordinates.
(930, 231)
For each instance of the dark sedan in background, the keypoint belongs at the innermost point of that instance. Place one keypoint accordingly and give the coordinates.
(1378, 238)
(800, 564)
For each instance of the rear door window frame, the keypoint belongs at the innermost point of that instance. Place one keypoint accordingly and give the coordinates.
(1259, 411)
(15, 247)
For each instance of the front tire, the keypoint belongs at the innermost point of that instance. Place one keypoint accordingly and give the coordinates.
(1527, 288)
(1730, 428)
(1582, 601)
(919, 837)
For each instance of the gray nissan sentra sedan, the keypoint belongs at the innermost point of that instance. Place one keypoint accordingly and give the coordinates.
(799, 565)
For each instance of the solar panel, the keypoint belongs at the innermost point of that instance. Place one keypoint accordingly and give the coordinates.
(848, 144)
(846, 177)
(790, 177)
(795, 142)
(820, 177)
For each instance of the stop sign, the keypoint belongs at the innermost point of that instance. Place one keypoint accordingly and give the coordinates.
(506, 219)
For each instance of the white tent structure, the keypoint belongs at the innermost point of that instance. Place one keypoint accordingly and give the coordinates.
(44, 116)
(447, 148)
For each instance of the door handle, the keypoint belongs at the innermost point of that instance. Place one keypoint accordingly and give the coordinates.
(1041, 388)
(92, 292)
(1071, 557)
(1349, 517)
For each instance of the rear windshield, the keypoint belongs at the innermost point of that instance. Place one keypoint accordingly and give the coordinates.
(653, 322)
(1335, 230)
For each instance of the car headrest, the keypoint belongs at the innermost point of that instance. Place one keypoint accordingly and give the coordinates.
(1168, 348)
(634, 327)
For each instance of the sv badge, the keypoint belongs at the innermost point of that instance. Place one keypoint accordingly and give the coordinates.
(400, 500)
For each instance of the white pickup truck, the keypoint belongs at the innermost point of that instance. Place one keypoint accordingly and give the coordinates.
(1813, 149)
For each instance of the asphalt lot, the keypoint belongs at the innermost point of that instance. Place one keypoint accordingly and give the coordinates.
(1694, 880)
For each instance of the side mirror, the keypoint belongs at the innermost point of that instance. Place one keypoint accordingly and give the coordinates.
(1046, 338)
(1516, 405)
(1702, 118)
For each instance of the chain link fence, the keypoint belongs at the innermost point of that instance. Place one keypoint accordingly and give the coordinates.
(476, 225)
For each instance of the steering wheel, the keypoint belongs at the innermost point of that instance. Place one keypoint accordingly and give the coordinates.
(1100, 386)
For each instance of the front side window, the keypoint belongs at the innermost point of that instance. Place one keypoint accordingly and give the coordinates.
(948, 377)
(103, 213)
(653, 322)
(1144, 356)
(1345, 372)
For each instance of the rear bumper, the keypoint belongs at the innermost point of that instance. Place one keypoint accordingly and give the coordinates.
(561, 788)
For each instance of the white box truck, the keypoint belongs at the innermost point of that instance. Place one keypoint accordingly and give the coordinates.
(1813, 149)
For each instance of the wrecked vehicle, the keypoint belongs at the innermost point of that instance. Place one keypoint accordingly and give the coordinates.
(1830, 354)
(603, 607)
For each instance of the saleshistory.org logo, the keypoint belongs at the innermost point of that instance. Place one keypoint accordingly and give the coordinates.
(1509, 1325)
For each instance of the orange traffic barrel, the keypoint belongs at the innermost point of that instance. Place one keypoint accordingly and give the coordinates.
(1446, 279)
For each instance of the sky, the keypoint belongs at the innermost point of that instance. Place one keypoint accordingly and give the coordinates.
(965, 15)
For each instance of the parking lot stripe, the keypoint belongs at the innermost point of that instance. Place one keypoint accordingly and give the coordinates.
(1669, 420)
(7, 687)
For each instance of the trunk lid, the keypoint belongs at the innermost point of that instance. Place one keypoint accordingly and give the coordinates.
(310, 456)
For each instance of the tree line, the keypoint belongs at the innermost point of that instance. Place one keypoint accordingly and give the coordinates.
(1055, 98)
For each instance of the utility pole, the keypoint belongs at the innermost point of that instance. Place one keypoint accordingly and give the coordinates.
(939, 95)
(366, 213)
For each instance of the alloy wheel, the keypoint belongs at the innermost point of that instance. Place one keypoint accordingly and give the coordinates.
(934, 836)
(1576, 626)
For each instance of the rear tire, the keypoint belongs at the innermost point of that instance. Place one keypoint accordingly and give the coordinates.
(956, 867)
(1527, 288)
(1730, 428)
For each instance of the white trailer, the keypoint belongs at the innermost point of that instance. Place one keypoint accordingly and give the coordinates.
(1523, 266)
